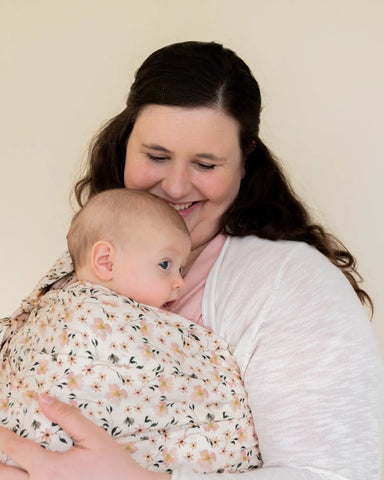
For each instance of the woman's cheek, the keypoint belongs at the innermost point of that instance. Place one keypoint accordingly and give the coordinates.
(140, 177)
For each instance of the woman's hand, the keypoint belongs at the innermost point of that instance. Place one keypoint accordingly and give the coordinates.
(95, 454)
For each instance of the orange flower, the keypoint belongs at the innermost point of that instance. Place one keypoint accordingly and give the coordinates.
(161, 409)
(169, 457)
(165, 384)
(199, 393)
(43, 366)
(74, 382)
(101, 328)
(130, 448)
(116, 394)
(206, 458)
(211, 426)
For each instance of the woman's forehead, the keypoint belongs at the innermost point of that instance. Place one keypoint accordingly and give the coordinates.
(202, 126)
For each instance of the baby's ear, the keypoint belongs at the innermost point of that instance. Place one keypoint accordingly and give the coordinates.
(103, 256)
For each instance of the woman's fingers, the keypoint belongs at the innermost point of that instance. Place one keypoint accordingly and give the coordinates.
(83, 431)
(12, 473)
(22, 451)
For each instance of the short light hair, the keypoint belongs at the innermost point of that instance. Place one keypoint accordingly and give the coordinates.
(112, 215)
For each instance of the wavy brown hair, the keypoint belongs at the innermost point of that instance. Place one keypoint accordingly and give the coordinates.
(205, 74)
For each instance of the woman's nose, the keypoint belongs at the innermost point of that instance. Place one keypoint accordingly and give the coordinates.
(176, 182)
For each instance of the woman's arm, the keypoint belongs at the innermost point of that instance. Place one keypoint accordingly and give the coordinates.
(95, 454)
(308, 357)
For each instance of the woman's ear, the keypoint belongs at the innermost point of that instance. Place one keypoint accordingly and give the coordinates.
(103, 256)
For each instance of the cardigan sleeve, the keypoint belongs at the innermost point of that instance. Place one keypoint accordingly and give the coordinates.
(308, 357)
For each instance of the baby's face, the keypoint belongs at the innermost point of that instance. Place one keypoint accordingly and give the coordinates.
(149, 267)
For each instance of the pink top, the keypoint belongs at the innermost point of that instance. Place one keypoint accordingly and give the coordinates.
(188, 305)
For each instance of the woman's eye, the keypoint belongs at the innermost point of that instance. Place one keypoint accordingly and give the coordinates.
(165, 264)
(156, 158)
(206, 166)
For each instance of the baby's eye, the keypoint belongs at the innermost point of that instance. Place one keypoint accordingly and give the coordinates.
(165, 264)
(181, 270)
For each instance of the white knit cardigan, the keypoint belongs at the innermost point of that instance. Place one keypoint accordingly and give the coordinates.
(308, 357)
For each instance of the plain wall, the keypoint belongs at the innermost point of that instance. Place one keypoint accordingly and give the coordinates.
(65, 68)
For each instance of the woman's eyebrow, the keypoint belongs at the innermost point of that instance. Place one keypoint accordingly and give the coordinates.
(158, 148)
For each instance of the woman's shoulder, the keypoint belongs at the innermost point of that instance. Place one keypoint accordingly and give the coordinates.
(251, 252)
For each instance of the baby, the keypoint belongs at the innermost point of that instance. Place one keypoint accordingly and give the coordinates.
(132, 243)
(93, 333)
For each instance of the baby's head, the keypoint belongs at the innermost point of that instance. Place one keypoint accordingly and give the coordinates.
(131, 242)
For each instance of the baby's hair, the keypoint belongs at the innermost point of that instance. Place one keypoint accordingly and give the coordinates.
(113, 215)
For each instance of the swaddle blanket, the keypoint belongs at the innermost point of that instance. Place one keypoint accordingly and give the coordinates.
(168, 390)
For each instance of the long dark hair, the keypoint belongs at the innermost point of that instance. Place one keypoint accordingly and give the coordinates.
(205, 74)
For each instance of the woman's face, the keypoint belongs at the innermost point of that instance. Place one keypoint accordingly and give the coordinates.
(191, 158)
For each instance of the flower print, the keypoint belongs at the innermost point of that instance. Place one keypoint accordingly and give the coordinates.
(199, 393)
(175, 348)
(74, 382)
(183, 388)
(101, 328)
(235, 403)
(241, 434)
(161, 409)
(130, 447)
(164, 433)
(165, 384)
(214, 358)
(64, 339)
(169, 457)
(144, 377)
(116, 394)
(139, 430)
(68, 315)
(211, 426)
(42, 327)
(147, 351)
(43, 366)
(181, 443)
(4, 404)
(145, 327)
(188, 456)
(206, 459)
(110, 303)
(96, 387)
(88, 370)
(41, 384)
(47, 434)
(148, 458)
(29, 396)
(72, 359)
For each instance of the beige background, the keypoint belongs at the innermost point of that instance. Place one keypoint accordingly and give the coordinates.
(65, 67)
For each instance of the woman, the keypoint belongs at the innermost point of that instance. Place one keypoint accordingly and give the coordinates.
(278, 288)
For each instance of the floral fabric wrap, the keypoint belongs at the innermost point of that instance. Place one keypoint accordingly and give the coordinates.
(167, 389)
